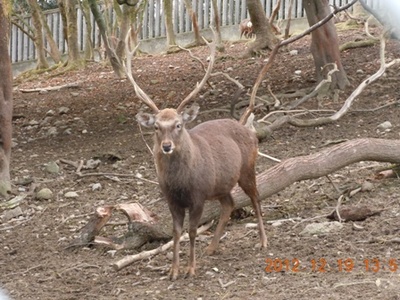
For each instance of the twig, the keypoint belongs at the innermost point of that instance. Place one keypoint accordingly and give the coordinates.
(115, 175)
(277, 101)
(301, 111)
(334, 184)
(377, 108)
(52, 88)
(293, 220)
(310, 219)
(354, 283)
(225, 285)
(379, 240)
(80, 166)
(144, 140)
(269, 157)
(339, 202)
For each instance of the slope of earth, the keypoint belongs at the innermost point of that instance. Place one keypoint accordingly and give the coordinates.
(97, 121)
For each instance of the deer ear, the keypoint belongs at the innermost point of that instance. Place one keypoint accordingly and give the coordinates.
(189, 114)
(146, 119)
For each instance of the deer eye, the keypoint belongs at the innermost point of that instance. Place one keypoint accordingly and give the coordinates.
(156, 127)
(178, 126)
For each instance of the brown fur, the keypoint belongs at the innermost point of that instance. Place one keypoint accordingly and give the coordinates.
(245, 29)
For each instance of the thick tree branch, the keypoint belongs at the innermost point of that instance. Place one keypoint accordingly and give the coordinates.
(274, 52)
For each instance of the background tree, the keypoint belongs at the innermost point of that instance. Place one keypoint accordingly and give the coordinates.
(169, 23)
(69, 16)
(6, 103)
(84, 4)
(115, 61)
(325, 44)
(38, 33)
(39, 38)
(193, 16)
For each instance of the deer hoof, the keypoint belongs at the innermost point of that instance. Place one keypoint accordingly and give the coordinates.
(173, 274)
(210, 250)
(190, 272)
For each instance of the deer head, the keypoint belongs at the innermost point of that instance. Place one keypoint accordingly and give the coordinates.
(169, 125)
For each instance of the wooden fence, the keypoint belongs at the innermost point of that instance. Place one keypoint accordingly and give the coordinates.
(231, 12)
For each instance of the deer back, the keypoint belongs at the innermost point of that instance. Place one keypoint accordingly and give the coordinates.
(208, 162)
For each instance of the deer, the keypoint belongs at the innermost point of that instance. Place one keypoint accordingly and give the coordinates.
(199, 164)
(246, 28)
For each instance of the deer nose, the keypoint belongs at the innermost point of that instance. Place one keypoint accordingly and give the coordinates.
(167, 147)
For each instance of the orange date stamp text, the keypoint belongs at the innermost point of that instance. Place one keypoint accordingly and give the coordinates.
(322, 265)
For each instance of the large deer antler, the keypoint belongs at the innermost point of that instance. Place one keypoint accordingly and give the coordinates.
(128, 71)
(200, 85)
(145, 98)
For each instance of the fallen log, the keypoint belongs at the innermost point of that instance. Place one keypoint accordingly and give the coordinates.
(306, 167)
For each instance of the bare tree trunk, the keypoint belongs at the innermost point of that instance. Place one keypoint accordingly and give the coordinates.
(325, 44)
(88, 42)
(192, 14)
(169, 24)
(6, 103)
(265, 37)
(126, 22)
(101, 24)
(54, 51)
(300, 168)
(72, 32)
(217, 25)
(39, 40)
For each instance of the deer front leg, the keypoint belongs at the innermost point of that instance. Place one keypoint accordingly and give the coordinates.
(194, 219)
(227, 206)
(178, 216)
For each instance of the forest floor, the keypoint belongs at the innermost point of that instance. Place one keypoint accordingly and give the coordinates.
(97, 121)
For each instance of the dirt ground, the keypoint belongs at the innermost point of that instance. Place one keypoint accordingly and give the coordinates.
(97, 121)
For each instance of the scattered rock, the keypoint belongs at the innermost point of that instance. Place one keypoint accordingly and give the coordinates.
(50, 113)
(52, 167)
(294, 52)
(96, 187)
(12, 213)
(385, 126)
(367, 186)
(71, 195)
(44, 194)
(68, 131)
(321, 228)
(52, 131)
(33, 123)
(92, 163)
(46, 121)
(63, 110)
(297, 72)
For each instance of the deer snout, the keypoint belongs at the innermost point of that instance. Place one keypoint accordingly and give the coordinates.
(167, 147)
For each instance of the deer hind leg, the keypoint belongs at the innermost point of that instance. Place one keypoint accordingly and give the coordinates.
(248, 184)
(178, 216)
(195, 213)
(227, 206)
